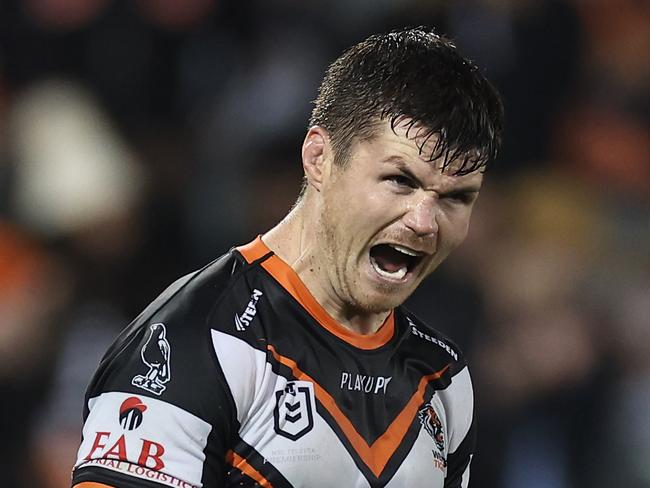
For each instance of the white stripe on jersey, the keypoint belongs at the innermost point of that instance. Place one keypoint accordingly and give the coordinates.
(458, 400)
(169, 440)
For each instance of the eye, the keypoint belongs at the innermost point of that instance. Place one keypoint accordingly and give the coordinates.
(401, 180)
(463, 197)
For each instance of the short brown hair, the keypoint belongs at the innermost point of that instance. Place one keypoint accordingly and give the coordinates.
(413, 75)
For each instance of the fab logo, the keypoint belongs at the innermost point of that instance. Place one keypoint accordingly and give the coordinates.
(150, 452)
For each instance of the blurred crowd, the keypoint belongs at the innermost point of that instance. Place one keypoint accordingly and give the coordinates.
(141, 139)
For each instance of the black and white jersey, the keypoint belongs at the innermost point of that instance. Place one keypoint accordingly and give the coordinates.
(236, 376)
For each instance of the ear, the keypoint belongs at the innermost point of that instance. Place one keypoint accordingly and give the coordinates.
(316, 156)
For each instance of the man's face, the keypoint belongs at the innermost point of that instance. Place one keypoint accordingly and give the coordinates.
(389, 218)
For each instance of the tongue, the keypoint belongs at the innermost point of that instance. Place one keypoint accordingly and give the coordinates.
(388, 258)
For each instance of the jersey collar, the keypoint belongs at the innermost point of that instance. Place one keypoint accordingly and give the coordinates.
(291, 282)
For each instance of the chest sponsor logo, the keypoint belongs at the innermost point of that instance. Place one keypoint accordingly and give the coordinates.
(293, 415)
(364, 383)
(244, 320)
(155, 354)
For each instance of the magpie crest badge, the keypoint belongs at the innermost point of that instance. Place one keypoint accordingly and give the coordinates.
(155, 355)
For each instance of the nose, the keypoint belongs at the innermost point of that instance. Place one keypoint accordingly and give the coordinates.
(421, 216)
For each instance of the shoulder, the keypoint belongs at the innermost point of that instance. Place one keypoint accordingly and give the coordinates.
(187, 303)
(454, 397)
(440, 349)
(159, 398)
(163, 350)
(433, 340)
(193, 296)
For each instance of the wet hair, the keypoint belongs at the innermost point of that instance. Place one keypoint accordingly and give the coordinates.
(418, 78)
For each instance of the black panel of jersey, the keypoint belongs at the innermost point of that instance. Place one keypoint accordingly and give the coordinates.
(235, 376)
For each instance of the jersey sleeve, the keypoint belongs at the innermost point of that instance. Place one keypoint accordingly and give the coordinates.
(158, 411)
(462, 433)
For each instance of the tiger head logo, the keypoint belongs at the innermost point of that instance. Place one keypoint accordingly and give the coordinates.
(432, 424)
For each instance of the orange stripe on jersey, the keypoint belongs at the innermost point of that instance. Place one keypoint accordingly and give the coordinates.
(242, 465)
(379, 453)
(92, 484)
(290, 281)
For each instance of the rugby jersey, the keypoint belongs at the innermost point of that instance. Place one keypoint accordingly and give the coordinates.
(237, 377)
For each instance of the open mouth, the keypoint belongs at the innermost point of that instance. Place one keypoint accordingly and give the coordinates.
(393, 261)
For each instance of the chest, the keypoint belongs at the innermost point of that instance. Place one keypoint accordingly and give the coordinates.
(296, 434)
(315, 412)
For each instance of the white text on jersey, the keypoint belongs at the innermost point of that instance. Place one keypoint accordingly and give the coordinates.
(427, 337)
(367, 384)
(243, 321)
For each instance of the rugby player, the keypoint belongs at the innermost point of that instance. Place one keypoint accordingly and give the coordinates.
(290, 361)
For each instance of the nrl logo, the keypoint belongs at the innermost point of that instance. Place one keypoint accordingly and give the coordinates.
(293, 414)
(432, 424)
(155, 354)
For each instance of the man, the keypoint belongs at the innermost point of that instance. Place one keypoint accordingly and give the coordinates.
(289, 361)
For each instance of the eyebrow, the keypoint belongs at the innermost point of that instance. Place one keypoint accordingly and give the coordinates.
(402, 165)
(463, 189)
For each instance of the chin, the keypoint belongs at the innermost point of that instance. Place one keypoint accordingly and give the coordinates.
(378, 302)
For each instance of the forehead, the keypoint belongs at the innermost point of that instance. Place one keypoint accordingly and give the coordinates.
(409, 147)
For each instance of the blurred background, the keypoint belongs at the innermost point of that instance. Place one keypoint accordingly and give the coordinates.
(141, 139)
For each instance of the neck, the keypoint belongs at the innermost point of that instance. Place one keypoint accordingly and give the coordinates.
(295, 240)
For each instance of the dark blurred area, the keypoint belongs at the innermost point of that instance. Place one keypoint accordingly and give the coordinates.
(141, 139)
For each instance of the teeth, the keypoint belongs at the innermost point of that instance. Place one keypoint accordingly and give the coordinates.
(404, 250)
(396, 275)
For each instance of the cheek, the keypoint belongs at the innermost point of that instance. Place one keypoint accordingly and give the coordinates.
(462, 230)
(362, 214)
(381, 211)
(454, 230)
